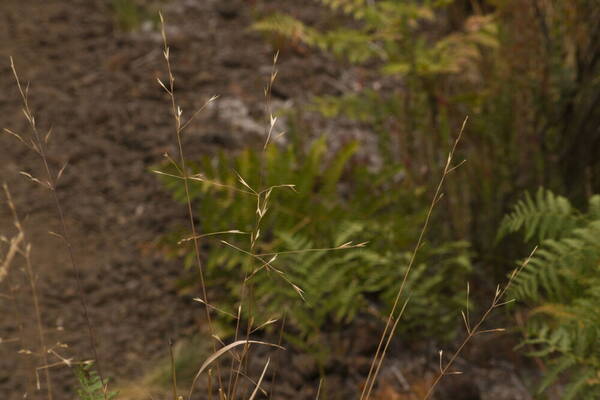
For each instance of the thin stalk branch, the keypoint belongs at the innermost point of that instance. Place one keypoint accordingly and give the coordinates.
(389, 327)
(496, 303)
(39, 146)
(26, 253)
(176, 112)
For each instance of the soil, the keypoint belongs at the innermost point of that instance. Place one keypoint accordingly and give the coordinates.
(95, 85)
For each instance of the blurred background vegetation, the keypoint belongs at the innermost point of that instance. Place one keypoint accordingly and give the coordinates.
(527, 75)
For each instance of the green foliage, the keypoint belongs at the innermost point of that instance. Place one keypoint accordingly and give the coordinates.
(334, 284)
(90, 385)
(435, 287)
(391, 32)
(387, 33)
(434, 75)
(525, 74)
(562, 284)
(549, 216)
(335, 204)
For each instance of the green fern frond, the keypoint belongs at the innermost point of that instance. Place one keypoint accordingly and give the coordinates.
(90, 384)
(548, 216)
(562, 281)
(580, 387)
(336, 201)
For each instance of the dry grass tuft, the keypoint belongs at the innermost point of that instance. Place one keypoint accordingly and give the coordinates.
(37, 144)
(20, 246)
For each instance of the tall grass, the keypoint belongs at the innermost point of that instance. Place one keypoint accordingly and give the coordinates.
(226, 381)
(37, 144)
(20, 245)
(180, 126)
(262, 205)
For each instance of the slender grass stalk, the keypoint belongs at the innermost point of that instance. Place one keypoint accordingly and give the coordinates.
(262, 201)
(218, 354)
(39, 146)
(14, 244)
(388, 331)
(13, 248)
(179, 128)
(475, 330)
(385, 347)
(262, 375)
(26, 253)
(319, 389)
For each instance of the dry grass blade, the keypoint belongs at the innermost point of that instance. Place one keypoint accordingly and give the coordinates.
(232, 231)
(46, 185)
(16, 135)
(200, 178)
(282, 186)
(166, 174)
(26, 253)
(345, 246)
(243, 182)
(198, 111)
(262, 375)
(264, 324)
(220, 352)
(11, 253)
(199, 300)
(319, 389)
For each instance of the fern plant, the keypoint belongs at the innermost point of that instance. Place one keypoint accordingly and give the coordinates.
(90, 384)
(334, 202)
(337, 286)
(547, 216)
(562, 285)
(390, 34)
(511, 66)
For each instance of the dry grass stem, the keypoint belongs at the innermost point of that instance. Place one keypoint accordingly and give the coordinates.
(39, 146)
(388, 331)
(215, 356)
(262, 375)
(13, 249)
(319, 389)
(179, 127)
(475, 330)
(25, 251)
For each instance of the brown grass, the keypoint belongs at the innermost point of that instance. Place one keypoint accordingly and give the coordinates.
(19, 245)
(242, 340)
(50, 182)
